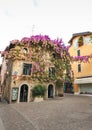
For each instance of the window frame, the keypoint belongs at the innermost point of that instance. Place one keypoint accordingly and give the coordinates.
(79, 67)
(27, 69)
(78, 52)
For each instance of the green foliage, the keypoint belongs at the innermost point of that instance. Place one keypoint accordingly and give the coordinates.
(91, 38)
(38, 90)
(80, 40)
(59, 83)
(43, 53)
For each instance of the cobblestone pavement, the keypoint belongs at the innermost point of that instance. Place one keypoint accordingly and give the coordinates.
(67, 113)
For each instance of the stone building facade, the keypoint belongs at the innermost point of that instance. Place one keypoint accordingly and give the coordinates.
(32, 61)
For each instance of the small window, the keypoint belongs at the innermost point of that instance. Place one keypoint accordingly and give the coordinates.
(79, 67)
(54, 55)
(25, 50)
(51, 71)
(27, 69)
(78, 53)
(75, 45)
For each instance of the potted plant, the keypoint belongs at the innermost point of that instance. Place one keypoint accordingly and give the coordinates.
(38, 92)
(80, 41)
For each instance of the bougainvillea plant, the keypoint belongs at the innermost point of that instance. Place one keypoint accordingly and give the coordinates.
(43, 53)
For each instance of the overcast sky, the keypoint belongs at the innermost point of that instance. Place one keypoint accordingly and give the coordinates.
(56, 18)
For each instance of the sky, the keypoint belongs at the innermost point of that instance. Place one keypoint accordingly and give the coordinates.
(56, 18)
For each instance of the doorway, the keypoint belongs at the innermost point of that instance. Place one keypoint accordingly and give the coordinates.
(68, 88)
(50, 91)
(23, 93)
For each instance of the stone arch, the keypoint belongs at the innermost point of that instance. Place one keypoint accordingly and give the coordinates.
(50, 91)
(24, 93)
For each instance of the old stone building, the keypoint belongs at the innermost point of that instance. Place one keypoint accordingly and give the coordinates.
(32, 61)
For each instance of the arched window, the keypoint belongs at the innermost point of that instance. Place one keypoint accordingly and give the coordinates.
(25, 50)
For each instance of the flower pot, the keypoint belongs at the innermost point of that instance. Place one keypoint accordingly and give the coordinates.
(80, 43)
(38, 99)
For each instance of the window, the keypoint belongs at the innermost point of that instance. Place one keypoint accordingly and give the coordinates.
(25, 50)
(51, 71)
(78, 53)
(79, 67)
(54, 55)
(75, 45)
(27, 69)
(87, 39)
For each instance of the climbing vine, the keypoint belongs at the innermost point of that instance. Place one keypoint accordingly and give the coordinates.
(44, 53)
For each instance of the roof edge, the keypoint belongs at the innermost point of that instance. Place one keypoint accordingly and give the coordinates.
(79, 34)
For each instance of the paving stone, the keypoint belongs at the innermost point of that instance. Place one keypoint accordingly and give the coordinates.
(68, 113)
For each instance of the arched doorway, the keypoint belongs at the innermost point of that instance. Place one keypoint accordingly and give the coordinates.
(50, 91)
(68, 88)
(23, 93)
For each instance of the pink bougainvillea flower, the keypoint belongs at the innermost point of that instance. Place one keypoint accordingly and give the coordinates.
(14, 41)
